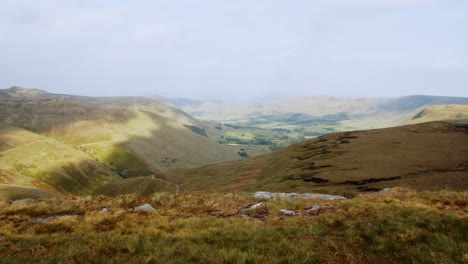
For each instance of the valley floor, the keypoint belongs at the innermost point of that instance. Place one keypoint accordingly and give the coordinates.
(399, 226)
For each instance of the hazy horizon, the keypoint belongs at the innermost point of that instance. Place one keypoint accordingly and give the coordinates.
(236, 50)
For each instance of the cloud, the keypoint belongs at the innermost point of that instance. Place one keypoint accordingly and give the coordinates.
(225, 48)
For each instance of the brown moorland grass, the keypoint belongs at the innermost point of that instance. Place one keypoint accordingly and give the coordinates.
(429, 156)
(400, 226)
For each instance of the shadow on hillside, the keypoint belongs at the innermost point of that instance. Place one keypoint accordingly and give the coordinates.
(117, 141)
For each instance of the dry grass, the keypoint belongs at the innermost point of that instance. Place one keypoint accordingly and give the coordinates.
(401, 226)
(429, 156)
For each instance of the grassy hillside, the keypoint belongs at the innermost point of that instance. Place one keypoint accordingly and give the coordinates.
(440, 112)
(130, 141)
(29, 160)
(426, 156)
(399, 226)
(131, 102)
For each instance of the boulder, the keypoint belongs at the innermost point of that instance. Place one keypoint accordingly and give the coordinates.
(314, 209)
(144, 208)
(105, 211)
(264, 195)
(288, 212)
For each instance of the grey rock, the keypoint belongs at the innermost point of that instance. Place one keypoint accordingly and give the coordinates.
(314, 208)
(106, 211)
(289, 195)
(269, 195)
(253, 207)
(23, 201)
(323, 196)
(288, 212)
(144, 208)
(264, 195)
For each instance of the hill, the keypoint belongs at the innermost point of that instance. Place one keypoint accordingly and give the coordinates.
(424, 156)
(317, 112)
(312, 106)
(440, 112)
(130, 141)
(153, 105)
(34, 165)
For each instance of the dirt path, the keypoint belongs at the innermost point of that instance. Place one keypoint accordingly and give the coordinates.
(25, 145)
(176, 185)
(96, 143)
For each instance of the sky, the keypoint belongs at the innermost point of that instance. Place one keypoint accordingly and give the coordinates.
(236, 49)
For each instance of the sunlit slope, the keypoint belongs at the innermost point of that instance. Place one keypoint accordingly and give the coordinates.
(131, 142)
(440, 112)
(34, 161)
(159, 142)
(144, 104)
(424, 156)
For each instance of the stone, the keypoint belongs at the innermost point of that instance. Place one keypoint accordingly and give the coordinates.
(288, 212)
(23, 201)
(323, 196)
(269, 195)
(314, 209)
(263, 195)
(106, 211)
(253, 207)
(144, 208)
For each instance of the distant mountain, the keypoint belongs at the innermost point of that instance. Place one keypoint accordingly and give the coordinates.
(427, 156)
(179, 102)
(21, 93)
(360, 113)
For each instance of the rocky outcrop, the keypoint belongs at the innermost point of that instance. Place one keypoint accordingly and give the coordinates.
(269, 195)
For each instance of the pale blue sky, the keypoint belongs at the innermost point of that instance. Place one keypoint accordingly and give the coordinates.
(239, 49)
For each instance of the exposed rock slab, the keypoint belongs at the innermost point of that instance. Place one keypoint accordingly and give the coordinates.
(269, 195)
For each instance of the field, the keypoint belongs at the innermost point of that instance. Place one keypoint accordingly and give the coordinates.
(399, 226)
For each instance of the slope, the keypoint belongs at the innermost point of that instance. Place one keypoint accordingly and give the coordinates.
(130, 141)
(423, 156)
(156, 106)
(440, 112)
(29, 160)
